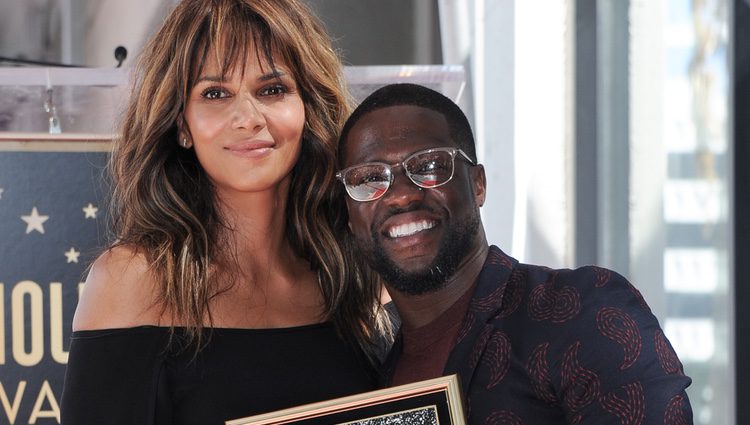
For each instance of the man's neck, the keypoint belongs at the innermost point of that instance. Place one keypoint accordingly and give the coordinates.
(418, 310)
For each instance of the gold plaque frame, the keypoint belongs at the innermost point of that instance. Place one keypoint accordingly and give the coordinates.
(438, 398)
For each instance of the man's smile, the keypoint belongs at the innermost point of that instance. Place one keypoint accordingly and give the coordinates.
(408, 229)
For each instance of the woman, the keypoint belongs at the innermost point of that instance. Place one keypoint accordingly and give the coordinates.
(226, 293)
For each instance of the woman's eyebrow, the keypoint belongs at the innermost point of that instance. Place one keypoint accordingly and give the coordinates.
(210, 78)
(273, 75)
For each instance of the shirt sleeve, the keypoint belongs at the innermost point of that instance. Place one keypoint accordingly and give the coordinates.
(619, 367)
(112, 377)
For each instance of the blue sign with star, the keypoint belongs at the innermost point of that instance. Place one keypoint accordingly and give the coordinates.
(52, 225)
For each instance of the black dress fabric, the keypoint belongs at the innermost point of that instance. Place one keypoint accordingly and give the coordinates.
(136, 376)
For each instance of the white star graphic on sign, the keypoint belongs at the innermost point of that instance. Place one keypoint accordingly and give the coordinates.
(90, 211)
(72, 255)
(34, 221)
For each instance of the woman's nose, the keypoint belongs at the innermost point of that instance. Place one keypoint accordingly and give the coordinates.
(247, 114)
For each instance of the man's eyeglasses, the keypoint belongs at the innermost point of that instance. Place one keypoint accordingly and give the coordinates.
(429, 169)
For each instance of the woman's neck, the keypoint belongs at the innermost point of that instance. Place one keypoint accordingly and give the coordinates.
(256, 233)
(269, 284)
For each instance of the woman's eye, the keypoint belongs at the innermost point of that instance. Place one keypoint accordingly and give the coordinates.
(275, 90)
(214, 93)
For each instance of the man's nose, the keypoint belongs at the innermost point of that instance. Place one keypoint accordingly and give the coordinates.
(402, 191)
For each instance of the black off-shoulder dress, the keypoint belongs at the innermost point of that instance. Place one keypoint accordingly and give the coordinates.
(135, 376)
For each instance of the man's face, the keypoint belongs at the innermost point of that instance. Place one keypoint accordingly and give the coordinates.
(414, 238)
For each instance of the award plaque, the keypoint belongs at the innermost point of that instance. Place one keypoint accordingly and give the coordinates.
(431, 402)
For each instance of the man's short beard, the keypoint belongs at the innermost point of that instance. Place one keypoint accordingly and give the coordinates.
(454, 247)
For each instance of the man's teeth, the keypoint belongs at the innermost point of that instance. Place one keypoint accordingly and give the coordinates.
(409, 229)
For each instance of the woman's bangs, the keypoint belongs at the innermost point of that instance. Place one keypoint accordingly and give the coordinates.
(226, 36)
(237, 34)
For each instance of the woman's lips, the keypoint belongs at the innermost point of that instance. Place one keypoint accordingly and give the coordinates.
(254, 149)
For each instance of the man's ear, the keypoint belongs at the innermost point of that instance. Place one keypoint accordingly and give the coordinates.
(479, 180)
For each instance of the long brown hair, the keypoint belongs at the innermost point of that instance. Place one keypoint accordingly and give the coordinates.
(163, 203)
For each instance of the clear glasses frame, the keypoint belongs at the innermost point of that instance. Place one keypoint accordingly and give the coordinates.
(373, 189)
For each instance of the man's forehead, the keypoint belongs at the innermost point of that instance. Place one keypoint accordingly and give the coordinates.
(384, 131)
(388, 131)
(411, 114)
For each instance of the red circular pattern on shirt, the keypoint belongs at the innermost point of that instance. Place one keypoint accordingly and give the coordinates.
(481, 342)
(618, 326)
(628, 404)
(580, 385)
(538, 369)
(556, 304)
(503, 417)
(675, 413)
(514, 290)
(465, 327)
(602, 276)
(497, 258)
(667, 357)
(490, 302)
(497, 357)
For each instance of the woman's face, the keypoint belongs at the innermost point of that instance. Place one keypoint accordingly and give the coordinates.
(247, 128)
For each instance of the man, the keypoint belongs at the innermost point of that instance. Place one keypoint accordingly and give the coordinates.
(531, 345)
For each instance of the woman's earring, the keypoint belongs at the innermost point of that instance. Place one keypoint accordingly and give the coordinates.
(185, 143)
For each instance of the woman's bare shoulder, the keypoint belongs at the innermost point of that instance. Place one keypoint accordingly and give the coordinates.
(119, 292)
